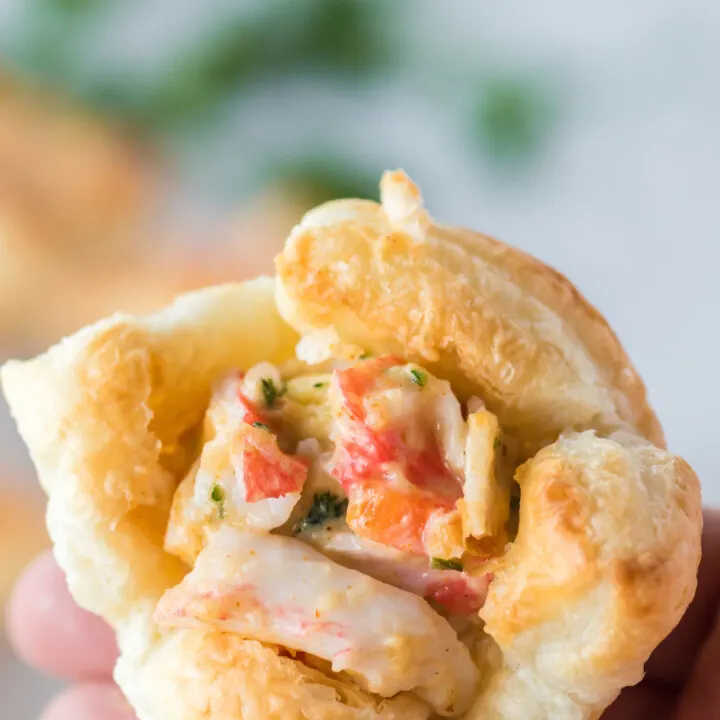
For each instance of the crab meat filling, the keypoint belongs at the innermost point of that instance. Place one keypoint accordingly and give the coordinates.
(399, 434)
(242, 476)
(326, 507)
(281, 591)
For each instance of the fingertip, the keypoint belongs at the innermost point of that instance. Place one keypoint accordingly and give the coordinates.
(90, 701)
(51, 633)
(645, 700)
(701, 694)
(673, 660)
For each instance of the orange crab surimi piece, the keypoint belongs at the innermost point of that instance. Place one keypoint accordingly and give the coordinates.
(392, 517)
(394, 488)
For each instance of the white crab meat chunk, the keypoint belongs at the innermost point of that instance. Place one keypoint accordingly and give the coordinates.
(279, 590)
(242, 477)
(458, 590)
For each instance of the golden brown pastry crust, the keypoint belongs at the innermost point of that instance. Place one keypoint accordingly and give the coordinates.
(495, 320)
(85, 180)
(602, 568)
(104, 414)
(76, 200)
(604, 562)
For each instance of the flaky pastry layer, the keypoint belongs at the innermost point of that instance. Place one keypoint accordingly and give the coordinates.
(605, 559)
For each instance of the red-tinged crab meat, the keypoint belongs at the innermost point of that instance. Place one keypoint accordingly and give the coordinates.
(356, 382)
(460, 593)
(279, 591)
(268, 472)
(371, 437)
(245, 406)
(426, 469)
(387, 452)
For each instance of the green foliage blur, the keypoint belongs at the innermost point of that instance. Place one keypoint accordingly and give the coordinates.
(514, 117)
(354, 42)
(326, 36)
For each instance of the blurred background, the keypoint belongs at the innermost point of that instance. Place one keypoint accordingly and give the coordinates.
(153, 146)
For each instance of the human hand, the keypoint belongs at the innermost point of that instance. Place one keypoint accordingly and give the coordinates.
(53, 635)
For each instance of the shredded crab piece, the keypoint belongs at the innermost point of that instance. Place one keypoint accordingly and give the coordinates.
(461, 592)
(393, 459)
(280, 591)
(242, 475)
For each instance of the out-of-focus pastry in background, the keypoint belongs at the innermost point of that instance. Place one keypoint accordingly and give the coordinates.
(75, 198)
(22, 532)
(88, 182)
(170, 260)
(85, 229)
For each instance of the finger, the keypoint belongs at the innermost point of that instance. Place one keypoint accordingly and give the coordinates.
(90, 701)
(51, 633)
(701, 696)
(643, 702)
(672, 661)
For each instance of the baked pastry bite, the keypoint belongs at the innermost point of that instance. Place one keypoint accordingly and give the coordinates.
(77, 199)
(87, 182)
(413, 476)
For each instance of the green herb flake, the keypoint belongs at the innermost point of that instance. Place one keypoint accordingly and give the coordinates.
(440, 564)
(319, 385)
(217, 495)
(261, 425)
(364, 356)
(325, 507)
(418, 377)
(497, 443)
(270, 391)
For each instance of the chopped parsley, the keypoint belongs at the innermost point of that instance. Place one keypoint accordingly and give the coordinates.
(364, 356)
(217, 495)
(497, 443)
(440, 564)
(270, 391)
(325, 507)
(418, 377)
(261, 425)
(319, 385)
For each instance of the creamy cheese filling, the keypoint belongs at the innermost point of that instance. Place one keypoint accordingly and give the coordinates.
(353, 472)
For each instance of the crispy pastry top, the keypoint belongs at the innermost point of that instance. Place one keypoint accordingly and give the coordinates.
(604, 562)
(498, 322)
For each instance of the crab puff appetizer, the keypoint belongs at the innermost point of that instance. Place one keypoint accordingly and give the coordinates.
(413, 476)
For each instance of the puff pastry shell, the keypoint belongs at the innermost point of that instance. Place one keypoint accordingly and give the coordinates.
(605, 558)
